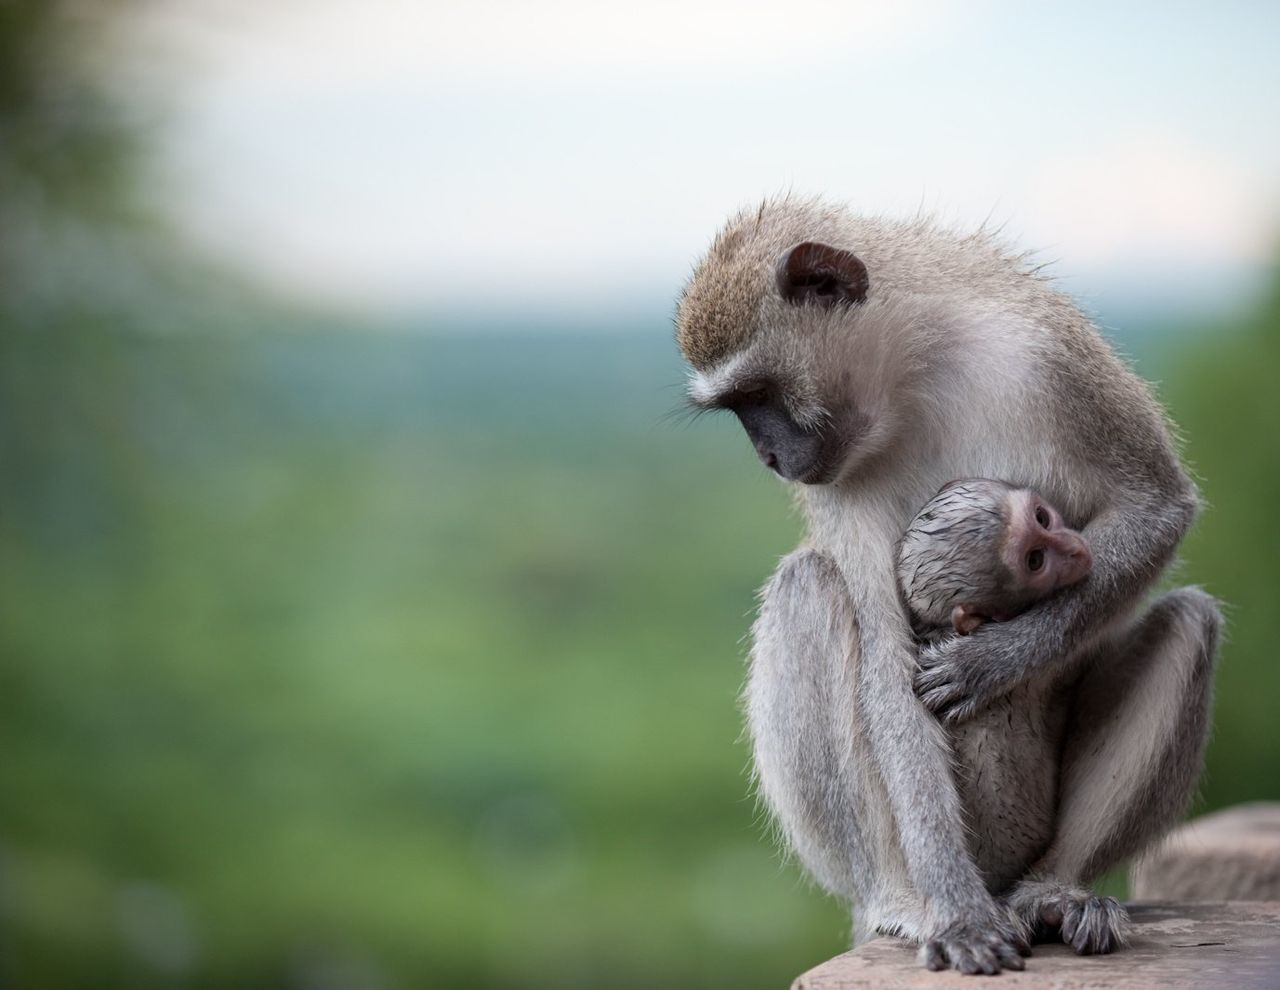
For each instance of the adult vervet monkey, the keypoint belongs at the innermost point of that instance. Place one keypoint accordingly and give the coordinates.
(963, 797)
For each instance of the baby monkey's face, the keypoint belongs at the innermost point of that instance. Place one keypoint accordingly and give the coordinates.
(983, 549)
(1040, 554)
(1041, 551)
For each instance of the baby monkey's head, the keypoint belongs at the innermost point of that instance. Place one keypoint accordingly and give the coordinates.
(982, 550)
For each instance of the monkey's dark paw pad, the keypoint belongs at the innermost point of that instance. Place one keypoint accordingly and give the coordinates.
(975, 949)
(1094, 925)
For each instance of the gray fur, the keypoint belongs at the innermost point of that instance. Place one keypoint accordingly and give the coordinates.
(962, 797)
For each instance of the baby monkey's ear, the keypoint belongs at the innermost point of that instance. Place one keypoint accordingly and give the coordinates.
(965, 619)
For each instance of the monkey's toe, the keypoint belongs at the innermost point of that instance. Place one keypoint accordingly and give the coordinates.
(1095, 925)
(1055, 911)
(975, 950)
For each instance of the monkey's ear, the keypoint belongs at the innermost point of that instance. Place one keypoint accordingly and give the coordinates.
(965, 620)
(817, 273)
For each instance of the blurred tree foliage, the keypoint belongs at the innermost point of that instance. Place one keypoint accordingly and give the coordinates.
(66, 148)
(358, 659)
(321, 665)
(1221, 388)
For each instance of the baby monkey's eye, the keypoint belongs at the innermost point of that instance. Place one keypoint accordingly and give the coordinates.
(1035, 560)
(1042, 516)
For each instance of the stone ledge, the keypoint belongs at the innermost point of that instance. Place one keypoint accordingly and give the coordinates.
(1230, 855)
(1176, 946)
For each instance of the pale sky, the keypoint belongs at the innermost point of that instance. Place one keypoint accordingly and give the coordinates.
(574, 157)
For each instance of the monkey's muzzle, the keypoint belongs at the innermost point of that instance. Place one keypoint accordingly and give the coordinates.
(792, 451)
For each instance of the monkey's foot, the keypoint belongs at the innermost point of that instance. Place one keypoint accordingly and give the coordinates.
(977, 948)
(1091, 925)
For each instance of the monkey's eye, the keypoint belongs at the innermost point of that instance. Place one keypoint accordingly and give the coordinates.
(1042, 516)
(1035, 559)
(746, 393)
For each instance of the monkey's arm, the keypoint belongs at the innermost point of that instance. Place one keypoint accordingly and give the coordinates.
(1133, 541)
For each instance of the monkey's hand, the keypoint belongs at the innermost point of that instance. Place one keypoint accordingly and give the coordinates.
(961, 675)
(997, 942)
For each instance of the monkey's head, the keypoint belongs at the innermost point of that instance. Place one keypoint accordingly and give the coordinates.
(983, 549)
(797, 331)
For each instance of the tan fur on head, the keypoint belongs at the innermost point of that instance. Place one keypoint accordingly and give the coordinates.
(719, 304)
(720, 309)
(726, 301)
(942, 310)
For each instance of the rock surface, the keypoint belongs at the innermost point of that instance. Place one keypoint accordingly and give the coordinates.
(1231, 855)
(1175, 947)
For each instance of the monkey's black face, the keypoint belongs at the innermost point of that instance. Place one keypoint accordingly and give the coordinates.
(795, 452)
(803, 427)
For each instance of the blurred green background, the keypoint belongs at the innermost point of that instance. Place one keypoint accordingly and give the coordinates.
(353, 656)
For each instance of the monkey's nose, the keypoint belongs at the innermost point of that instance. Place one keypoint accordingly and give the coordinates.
(1079, 556)
(770, 459)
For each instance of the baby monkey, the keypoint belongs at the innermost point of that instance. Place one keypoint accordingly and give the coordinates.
(984, 550)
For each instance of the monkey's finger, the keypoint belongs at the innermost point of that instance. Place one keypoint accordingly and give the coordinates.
(1083, 943)
(963, 958)
(933, 677)
(933, 956)
(960, 710)
(940, 699)
(1071, 915)
(1010, 956)
(1017, 933)
(928, 659)
(938, 684)
(933, 656)
(1100, 928)
(931, 687)
(986, 959)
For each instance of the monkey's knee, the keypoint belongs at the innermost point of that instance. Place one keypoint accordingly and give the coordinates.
(1166, 674)
(1201, 613)
(805, 612)
(805, 579)
(1190, 621)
